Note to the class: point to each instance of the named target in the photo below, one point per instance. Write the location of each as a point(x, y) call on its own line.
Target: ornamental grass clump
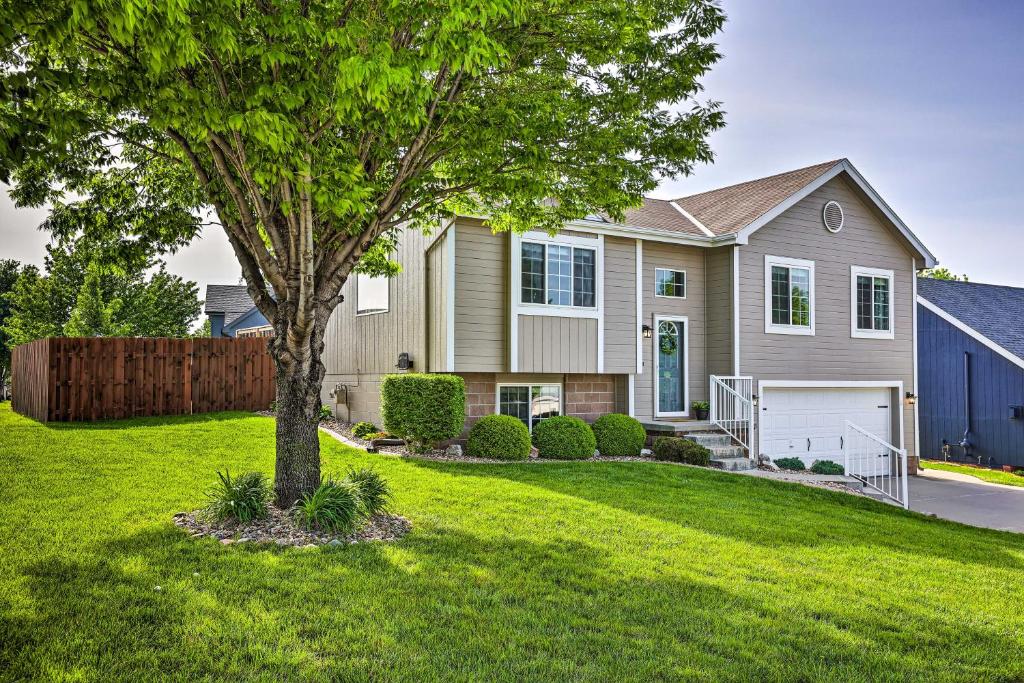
point(335, 506)
point(243, 498)
point(619, 435)
point(374, 492)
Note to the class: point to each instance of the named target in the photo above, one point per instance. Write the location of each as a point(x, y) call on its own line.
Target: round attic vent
point(833, 215)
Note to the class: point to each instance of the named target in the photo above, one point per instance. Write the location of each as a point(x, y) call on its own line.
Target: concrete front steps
point(725, 455)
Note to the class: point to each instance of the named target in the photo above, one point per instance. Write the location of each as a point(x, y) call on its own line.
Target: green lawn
point(575, 571)
point(994, 476)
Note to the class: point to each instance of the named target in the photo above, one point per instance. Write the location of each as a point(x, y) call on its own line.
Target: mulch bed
point(279, 528)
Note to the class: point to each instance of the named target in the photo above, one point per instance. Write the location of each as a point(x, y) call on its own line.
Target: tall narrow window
point(558, 275)
point(789, 296)
point(872, 302)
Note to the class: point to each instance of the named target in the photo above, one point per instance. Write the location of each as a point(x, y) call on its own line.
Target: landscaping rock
point(646, 453)
point(453, 451)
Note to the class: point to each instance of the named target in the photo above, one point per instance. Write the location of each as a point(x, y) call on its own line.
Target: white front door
point(808, 423)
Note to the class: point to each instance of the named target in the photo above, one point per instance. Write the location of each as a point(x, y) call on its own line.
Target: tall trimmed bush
point(564, 438)
point(499, 436)
point(423, 409)
point(619, 435)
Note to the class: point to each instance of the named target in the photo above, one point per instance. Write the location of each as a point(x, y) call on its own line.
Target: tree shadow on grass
point(137, 422)
point(757, 511)
point(453, 605)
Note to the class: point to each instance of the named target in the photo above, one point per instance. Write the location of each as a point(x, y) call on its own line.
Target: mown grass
point(568, 571)
point(983, 473)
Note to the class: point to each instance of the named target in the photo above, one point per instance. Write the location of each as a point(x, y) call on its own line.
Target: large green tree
point(9, 273)
point(315, 132)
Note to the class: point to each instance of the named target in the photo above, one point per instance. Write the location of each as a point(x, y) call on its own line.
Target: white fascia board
point(843, 166)
point(971, 332)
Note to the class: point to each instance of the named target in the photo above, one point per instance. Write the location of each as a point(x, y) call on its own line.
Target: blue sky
point(925, 98)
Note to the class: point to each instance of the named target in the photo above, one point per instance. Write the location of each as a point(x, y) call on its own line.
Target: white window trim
point(856, 332)
point(515, 294)
point(769, 326)
point(561, 395)
point(658, 319)
point(686, 284)
point(375, 311)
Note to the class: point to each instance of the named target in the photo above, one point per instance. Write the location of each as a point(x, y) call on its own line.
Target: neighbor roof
point(729, 209)
point(227, 299)
point(994, 311)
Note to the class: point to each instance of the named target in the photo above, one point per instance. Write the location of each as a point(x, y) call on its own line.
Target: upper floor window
point(371, 294)
point(558, 275)
point(789, 295)
point(871, 302)
point(671, 283)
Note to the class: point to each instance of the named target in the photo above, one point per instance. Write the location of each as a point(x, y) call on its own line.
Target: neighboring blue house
point(232, 313)
point(970, 340)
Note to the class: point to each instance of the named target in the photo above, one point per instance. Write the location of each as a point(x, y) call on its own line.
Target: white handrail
point(732, 408)
point(878, 470)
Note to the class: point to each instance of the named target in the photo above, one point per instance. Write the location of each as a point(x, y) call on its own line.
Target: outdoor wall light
point(911, 398)
point(754, 400)
point(648, 332)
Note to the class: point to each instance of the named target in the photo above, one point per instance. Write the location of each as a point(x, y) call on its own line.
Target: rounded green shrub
point(564, 438)
point(619, 435)
point(499, 436)
point(361, 430)
point(335, 506)
point(423, 409)
point(675, 449)
point(790, 464)
point(374, 492)
point(826, 467)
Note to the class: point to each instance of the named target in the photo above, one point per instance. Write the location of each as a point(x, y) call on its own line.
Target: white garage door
point(807, 423)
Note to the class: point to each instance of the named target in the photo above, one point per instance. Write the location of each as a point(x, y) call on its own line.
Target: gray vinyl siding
point(719, 305)
point(481, 299)
point(620, 328)
point(438, 272)
point(831, 353)
point(675, 257)
point(556, 344)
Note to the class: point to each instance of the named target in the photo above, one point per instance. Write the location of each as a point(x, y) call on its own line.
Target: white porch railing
point(878, 464)
point(732, 408)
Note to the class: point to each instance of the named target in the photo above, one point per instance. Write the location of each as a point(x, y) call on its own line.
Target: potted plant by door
point(701, 409)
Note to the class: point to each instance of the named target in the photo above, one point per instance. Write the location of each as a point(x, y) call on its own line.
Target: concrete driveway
point(962, 498)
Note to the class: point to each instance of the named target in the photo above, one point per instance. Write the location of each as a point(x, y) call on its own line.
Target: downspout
point(964, 443)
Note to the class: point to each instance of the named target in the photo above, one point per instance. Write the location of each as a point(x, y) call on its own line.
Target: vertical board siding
point(719, 306)
point(995, 384)
point(831, 353)
point(620, 324)
point(86, 379)
point(437, 274)
point(481, 299)
point(691, 260)
point(553, 344)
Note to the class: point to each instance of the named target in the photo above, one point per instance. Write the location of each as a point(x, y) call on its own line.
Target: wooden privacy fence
point(83, 379)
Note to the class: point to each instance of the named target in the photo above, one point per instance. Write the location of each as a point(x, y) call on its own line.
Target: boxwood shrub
point(499, 436)
point(564, 438)
point(619, 435)
point(675, 449)
point(790, 463)
point(423, 409)
point(826, 467)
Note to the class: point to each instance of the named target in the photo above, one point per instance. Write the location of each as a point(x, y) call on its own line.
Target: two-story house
point(787, 302)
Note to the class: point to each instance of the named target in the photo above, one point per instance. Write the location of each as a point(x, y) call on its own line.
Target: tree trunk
point(297, 469)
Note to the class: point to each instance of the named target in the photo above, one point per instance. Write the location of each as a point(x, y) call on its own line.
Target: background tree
point(943, 273)
point(317, 132)
point(9, 271)
point(80, 295)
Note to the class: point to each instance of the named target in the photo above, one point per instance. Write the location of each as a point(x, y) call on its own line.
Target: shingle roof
point(661, 215)
point(730, 209)
point(227, 299)
point(993, 310)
